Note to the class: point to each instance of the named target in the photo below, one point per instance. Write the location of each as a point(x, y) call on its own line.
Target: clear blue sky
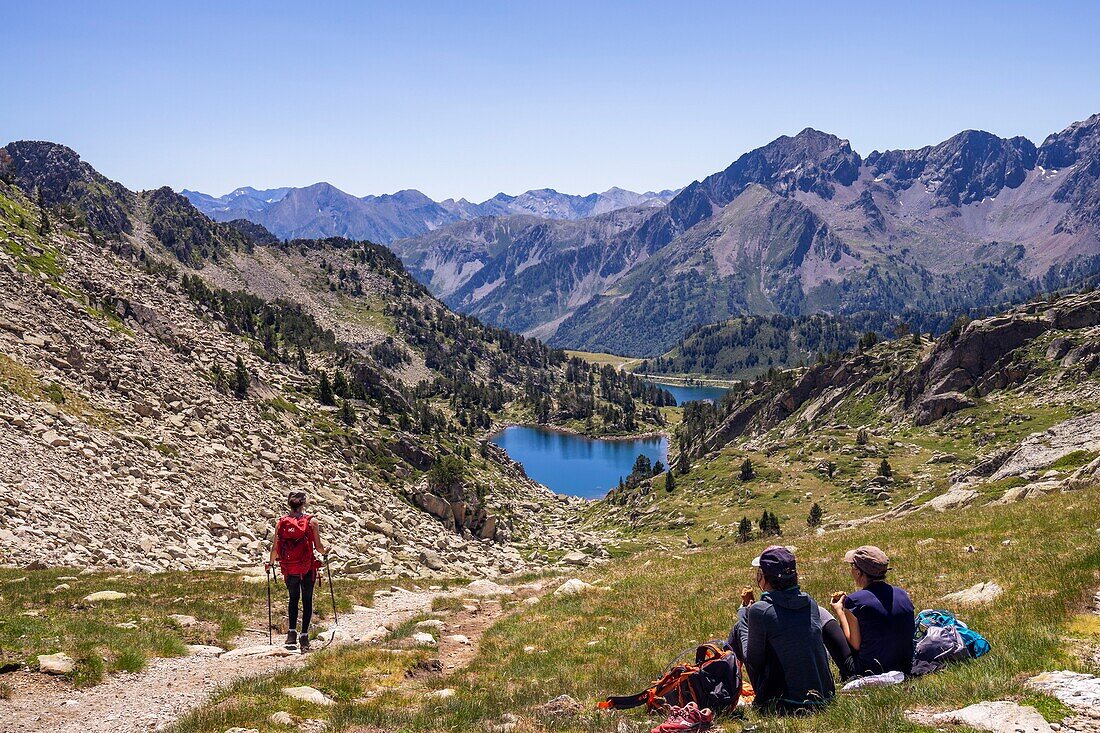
point(470, 98)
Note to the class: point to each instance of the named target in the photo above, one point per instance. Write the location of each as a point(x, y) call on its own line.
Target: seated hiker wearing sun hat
point(878, 618)
point(778, 639)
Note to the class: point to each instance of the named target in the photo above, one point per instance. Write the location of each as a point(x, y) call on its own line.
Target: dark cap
point(776, 561)
point(869, 559)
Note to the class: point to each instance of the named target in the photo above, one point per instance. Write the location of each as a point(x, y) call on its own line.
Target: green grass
point(658, 604)
point(42, 617)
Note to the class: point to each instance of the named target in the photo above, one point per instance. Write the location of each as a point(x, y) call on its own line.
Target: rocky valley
point(165, 380)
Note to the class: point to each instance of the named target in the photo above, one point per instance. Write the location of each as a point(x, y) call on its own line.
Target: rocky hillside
point(166, 379)
point(997, 410)
point(802, 225)
point(322, 210)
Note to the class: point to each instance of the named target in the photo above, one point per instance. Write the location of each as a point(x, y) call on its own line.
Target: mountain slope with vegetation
point(202, 369)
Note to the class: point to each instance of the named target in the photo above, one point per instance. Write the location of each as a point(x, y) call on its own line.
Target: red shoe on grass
point(687, 719)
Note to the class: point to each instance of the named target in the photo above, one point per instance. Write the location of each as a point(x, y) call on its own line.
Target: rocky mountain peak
point(58, 173)
point(1063, 149)
point(965, 168)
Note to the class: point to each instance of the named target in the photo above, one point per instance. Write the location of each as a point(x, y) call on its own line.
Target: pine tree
point(303, 363)
point(775, 529)
point(747, 473)
point(862, 436)
point(340, 385)
point(765, 522)
point(884, 469)
point(347, 412)
point(670, 482)
point(241, 378)
point(744, 530)
point(684, 464)
point(814, 520)
point(916, 338)
point(324, 390)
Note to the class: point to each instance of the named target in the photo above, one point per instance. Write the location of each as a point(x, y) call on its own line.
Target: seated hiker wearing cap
point(778, 639)
point(878, 618)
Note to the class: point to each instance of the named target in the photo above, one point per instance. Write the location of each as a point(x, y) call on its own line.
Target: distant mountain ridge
point(802, 225)
point(322, 210)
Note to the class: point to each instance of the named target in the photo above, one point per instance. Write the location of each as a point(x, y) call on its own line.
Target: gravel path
point(168, 687)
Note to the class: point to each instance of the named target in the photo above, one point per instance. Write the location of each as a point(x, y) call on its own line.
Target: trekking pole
point(267, 573)
point(332, 594)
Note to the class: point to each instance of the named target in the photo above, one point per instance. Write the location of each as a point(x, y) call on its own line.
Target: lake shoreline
point(566, 430)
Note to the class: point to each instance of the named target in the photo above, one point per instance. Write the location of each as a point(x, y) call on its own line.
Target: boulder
point(282, 717)
point(104, 595)
point(576, 557)
point(1000, 717)
point(458, 639)
point(443, 694)
point(572, 587)
point(59, 663)
point(1077, 690)
point(953, 499)
point(184, 621)
point(431, 560)
point(936, 406)
point(308, 694)
point(975, 595)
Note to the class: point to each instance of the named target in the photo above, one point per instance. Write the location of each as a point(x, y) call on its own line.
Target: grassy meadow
point(653, 605)
point(44, 613)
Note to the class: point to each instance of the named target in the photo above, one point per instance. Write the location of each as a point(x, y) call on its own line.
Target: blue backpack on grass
point(941, 637)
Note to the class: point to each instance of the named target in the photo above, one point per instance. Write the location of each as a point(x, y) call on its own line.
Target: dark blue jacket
point(779, 640)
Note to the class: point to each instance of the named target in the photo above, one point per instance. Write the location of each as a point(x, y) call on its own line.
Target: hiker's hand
point(748, 597)
point(267, 566)
point(838, 599)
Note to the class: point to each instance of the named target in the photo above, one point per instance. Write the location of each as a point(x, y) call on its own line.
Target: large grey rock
point(936, 406)
point(975, 595)
point(1077, 690)
point(999, 717)
point(953, 499)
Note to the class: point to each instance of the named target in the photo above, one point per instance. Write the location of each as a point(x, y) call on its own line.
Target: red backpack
point(294, 545)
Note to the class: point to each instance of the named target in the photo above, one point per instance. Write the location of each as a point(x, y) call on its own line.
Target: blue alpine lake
point(692, 393)
point(574, 464)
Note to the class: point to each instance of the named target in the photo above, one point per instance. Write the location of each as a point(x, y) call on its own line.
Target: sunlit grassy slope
point(651, 606)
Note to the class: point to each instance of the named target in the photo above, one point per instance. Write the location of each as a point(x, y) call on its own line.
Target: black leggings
point(301, 586)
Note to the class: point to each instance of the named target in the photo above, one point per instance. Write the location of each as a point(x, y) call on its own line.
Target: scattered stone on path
point(999, 717)
point(458, 639)
point(60, 663)
point(308, 694)
point(431, 623)
point(241, 730)
point(572, 587)
point(423, 638)
point(488, 588)
point(204, 650)
point(263, 650)
point(975, 595)
point(104, 595)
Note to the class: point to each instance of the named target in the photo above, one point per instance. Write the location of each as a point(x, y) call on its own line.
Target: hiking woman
point(297, 540)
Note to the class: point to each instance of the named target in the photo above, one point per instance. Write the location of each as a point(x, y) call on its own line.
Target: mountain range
point(804, 224)
point(322, 210)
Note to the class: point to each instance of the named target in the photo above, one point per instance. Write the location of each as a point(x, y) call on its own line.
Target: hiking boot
point(303, 642)
point(687, 719)
point(291, 639)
